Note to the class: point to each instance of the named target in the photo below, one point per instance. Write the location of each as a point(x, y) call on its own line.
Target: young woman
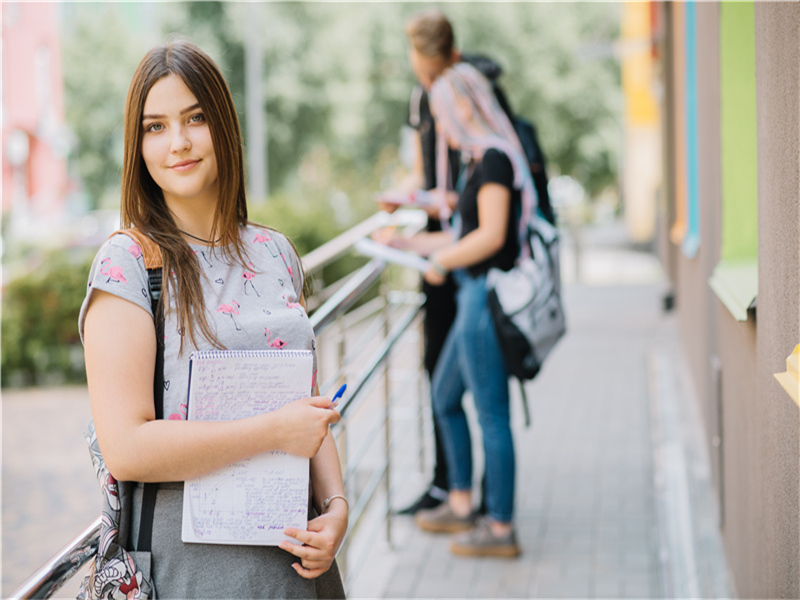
point(226, 282)
point(484, 235)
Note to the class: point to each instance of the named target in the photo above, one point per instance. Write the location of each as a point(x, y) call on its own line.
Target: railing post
point(342, 441)
point(422, 376)
point(387, 391)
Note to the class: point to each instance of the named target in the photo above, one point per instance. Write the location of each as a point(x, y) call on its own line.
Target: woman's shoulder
point(255, 233)
point(124, 247)
point(250, 230)
point(497, 166)
point(496, 156)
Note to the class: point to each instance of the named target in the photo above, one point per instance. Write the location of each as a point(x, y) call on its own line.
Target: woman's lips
point(184, 165)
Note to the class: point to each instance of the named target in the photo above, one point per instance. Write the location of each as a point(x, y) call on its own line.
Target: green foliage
point(40, 342)
point(99, 56)
point(335, 75)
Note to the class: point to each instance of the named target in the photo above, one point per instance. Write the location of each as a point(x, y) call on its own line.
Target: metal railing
point(386, 319)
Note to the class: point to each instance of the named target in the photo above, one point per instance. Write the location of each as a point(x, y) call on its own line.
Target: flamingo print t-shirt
point(249, 308)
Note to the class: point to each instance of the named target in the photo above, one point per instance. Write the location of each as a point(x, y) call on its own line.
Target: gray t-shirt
point(248, 308)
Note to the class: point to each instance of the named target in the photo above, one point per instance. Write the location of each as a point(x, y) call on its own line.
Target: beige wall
point(778, 105)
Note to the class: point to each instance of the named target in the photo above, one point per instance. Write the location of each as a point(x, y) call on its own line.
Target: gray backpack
point(525, 302)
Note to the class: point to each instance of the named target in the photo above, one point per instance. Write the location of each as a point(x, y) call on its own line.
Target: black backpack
point(526, 132)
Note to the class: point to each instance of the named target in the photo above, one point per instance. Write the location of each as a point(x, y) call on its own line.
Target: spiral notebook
point(251, 501)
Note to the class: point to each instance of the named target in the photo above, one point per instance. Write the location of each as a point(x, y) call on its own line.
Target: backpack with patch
point(115, 572)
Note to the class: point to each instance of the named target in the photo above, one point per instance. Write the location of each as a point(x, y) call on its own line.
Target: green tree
point(99, 58)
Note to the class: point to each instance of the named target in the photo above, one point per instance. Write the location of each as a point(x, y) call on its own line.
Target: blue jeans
point(471, 359)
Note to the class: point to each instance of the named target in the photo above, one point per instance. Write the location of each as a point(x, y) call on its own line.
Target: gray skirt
point(182, 570)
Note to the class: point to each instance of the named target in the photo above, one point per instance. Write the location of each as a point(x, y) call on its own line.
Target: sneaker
point(442, 519)
point(482, 542)
point(425, 501)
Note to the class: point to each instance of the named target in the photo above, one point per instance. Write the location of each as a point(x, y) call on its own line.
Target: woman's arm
point(120, 350)
point(422, 243)
point(494, 204)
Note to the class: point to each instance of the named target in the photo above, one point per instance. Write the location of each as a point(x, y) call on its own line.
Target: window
point(735, 278)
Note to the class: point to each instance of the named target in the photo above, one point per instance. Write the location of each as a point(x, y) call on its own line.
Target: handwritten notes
point(251, 501)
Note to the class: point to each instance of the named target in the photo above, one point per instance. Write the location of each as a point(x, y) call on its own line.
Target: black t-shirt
point(494, 168)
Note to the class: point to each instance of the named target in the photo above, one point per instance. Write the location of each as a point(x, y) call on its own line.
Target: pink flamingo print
point(265, 238)
point(114, 272)
point(135, 250)
point(248, 278)
point(286, 263)
point(231, 310)
point(276, 343)
point(289, 304)
point(179, 416)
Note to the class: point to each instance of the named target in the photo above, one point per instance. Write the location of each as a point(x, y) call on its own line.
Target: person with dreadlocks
point(484, 235)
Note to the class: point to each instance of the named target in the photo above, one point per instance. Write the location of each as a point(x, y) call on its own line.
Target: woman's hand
point(305, 423)
point(433, 277)
point(436, 273)
point(320, 542)
point(388, 237)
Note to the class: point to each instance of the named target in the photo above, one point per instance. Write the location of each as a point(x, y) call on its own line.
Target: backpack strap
point(153, 262)
point(151, 251)
point(151, 489)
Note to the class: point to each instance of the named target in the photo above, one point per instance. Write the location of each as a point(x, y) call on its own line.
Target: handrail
point(64, 564)
point(56, 571)
point(341, 244)
point(347, 295)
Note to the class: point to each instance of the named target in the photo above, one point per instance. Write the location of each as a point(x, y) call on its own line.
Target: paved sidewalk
point(613, 496)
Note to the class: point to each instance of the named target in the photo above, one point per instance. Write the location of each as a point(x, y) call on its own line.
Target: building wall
point(778, 107)
point(33, 110)
point(757, 459)
point(741, 438)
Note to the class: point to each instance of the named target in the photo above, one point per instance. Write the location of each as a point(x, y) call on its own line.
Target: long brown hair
point(143, 205)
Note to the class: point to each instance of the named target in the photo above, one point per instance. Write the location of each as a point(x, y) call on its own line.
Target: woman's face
point(176, 144)
point(463, 114)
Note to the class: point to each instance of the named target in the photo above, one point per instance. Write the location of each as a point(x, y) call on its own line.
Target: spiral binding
point(223, 354)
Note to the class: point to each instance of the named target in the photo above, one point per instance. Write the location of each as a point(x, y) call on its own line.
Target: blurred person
point(485, 235)
point(432, 51)
point(183, 187)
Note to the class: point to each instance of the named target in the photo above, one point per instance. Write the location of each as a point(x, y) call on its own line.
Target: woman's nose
point(180, 141)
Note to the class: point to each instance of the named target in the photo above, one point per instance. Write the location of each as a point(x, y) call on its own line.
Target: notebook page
point(251, 501)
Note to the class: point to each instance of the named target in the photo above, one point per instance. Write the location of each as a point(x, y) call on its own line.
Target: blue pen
point(339, 394)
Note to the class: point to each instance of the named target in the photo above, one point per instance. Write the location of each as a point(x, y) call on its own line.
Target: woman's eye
point(154, 127)
point(197, 118)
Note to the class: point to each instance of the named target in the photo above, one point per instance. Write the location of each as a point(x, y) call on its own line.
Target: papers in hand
point(254, 500)
point(372, 248)
point(421, 198)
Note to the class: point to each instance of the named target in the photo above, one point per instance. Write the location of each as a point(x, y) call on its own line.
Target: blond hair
point(431, 34)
